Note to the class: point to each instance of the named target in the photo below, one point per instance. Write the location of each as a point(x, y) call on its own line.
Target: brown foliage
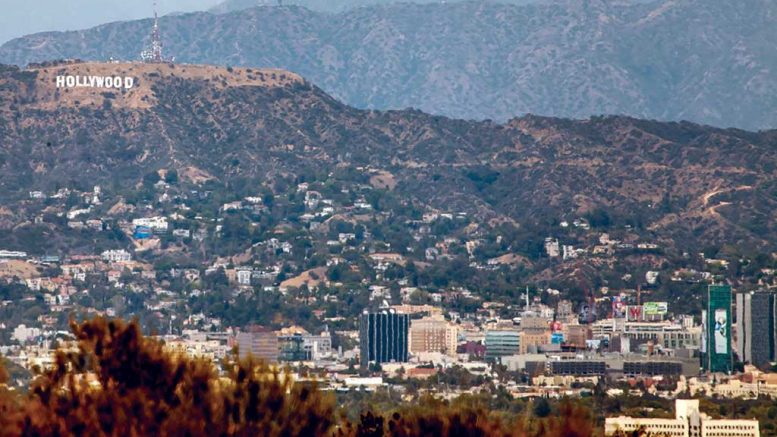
point(415, 421)
point(119, 383)
point(8, 416)
point(572, 421)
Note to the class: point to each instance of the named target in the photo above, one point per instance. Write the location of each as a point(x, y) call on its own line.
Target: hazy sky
point(22, 17)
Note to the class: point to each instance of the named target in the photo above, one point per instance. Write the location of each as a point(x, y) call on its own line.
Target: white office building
point(688, 422)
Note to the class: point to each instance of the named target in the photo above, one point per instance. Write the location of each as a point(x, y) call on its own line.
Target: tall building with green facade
point(716, 351)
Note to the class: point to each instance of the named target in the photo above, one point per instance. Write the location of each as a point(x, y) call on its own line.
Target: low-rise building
point(502, 343)
point(153, 223)
point(689, 421)
point(119, 255)
point(258, 342)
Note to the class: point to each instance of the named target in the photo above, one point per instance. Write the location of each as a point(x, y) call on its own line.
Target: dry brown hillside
point(677, 182)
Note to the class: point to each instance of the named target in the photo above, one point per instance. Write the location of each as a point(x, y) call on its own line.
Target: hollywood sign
point(116, 82)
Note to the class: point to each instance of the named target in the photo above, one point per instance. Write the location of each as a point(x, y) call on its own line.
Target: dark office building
point(756, 327)
point(652, 368)
point(577, 367)
point(383, 337)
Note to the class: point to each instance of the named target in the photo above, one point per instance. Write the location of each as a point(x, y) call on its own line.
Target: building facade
point(577, 335)
point(383, 337)
point(689, 421)
point(292, 348)
point(755, 334)
point(577, 367)
point(716, 354)
point(433, 334)
point(501, 343)
point(652, 368)
point(535, 332)
point(258, 342)
point(317, 346)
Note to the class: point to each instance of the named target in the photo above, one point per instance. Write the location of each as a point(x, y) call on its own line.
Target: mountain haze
point(22, 18)
point(330, 5)
point(710, 61)
point(679, 183)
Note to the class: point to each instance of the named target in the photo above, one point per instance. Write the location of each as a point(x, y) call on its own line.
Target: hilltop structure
point(153, 54)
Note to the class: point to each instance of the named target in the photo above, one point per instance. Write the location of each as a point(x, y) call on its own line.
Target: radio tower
point(153, 54)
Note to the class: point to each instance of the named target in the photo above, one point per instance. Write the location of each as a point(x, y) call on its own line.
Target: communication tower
point(153, 54)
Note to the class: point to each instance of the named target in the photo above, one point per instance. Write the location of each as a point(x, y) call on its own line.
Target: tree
point(118, 382)
point(542, 408)
point(151, 178)
point(599, 218)
point(171, 177)
point(138, 388)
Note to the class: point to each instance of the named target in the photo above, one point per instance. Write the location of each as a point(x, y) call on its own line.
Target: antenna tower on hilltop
point(153, 54)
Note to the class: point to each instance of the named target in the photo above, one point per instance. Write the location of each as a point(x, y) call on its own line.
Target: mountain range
point(683, 184)
point(707, 61)
point(329, 5)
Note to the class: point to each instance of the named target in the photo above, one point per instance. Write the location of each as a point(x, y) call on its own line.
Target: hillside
point(678, 182)
point(711, 62)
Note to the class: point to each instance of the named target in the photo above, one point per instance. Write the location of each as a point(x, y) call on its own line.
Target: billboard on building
point(721, 331)
point(634, 313)
point(587, 312)
point(717, 356)
point(655, 308)
point(618, 307)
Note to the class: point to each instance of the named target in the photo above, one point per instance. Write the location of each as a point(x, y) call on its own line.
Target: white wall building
point(552, 247)
point(119, 255)
point(244, 276)
point(23, 334)
point(12, 254)
point(688, 422)
point(157, 223)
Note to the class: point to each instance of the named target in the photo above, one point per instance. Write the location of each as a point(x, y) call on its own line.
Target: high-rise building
point(755, 333)
point(433, 334)
point(501, 344)
point(258, 342)
point(383, 337)
point(716, 353)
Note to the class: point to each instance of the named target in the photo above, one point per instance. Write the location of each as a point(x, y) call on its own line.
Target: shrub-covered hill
point(680, 182)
